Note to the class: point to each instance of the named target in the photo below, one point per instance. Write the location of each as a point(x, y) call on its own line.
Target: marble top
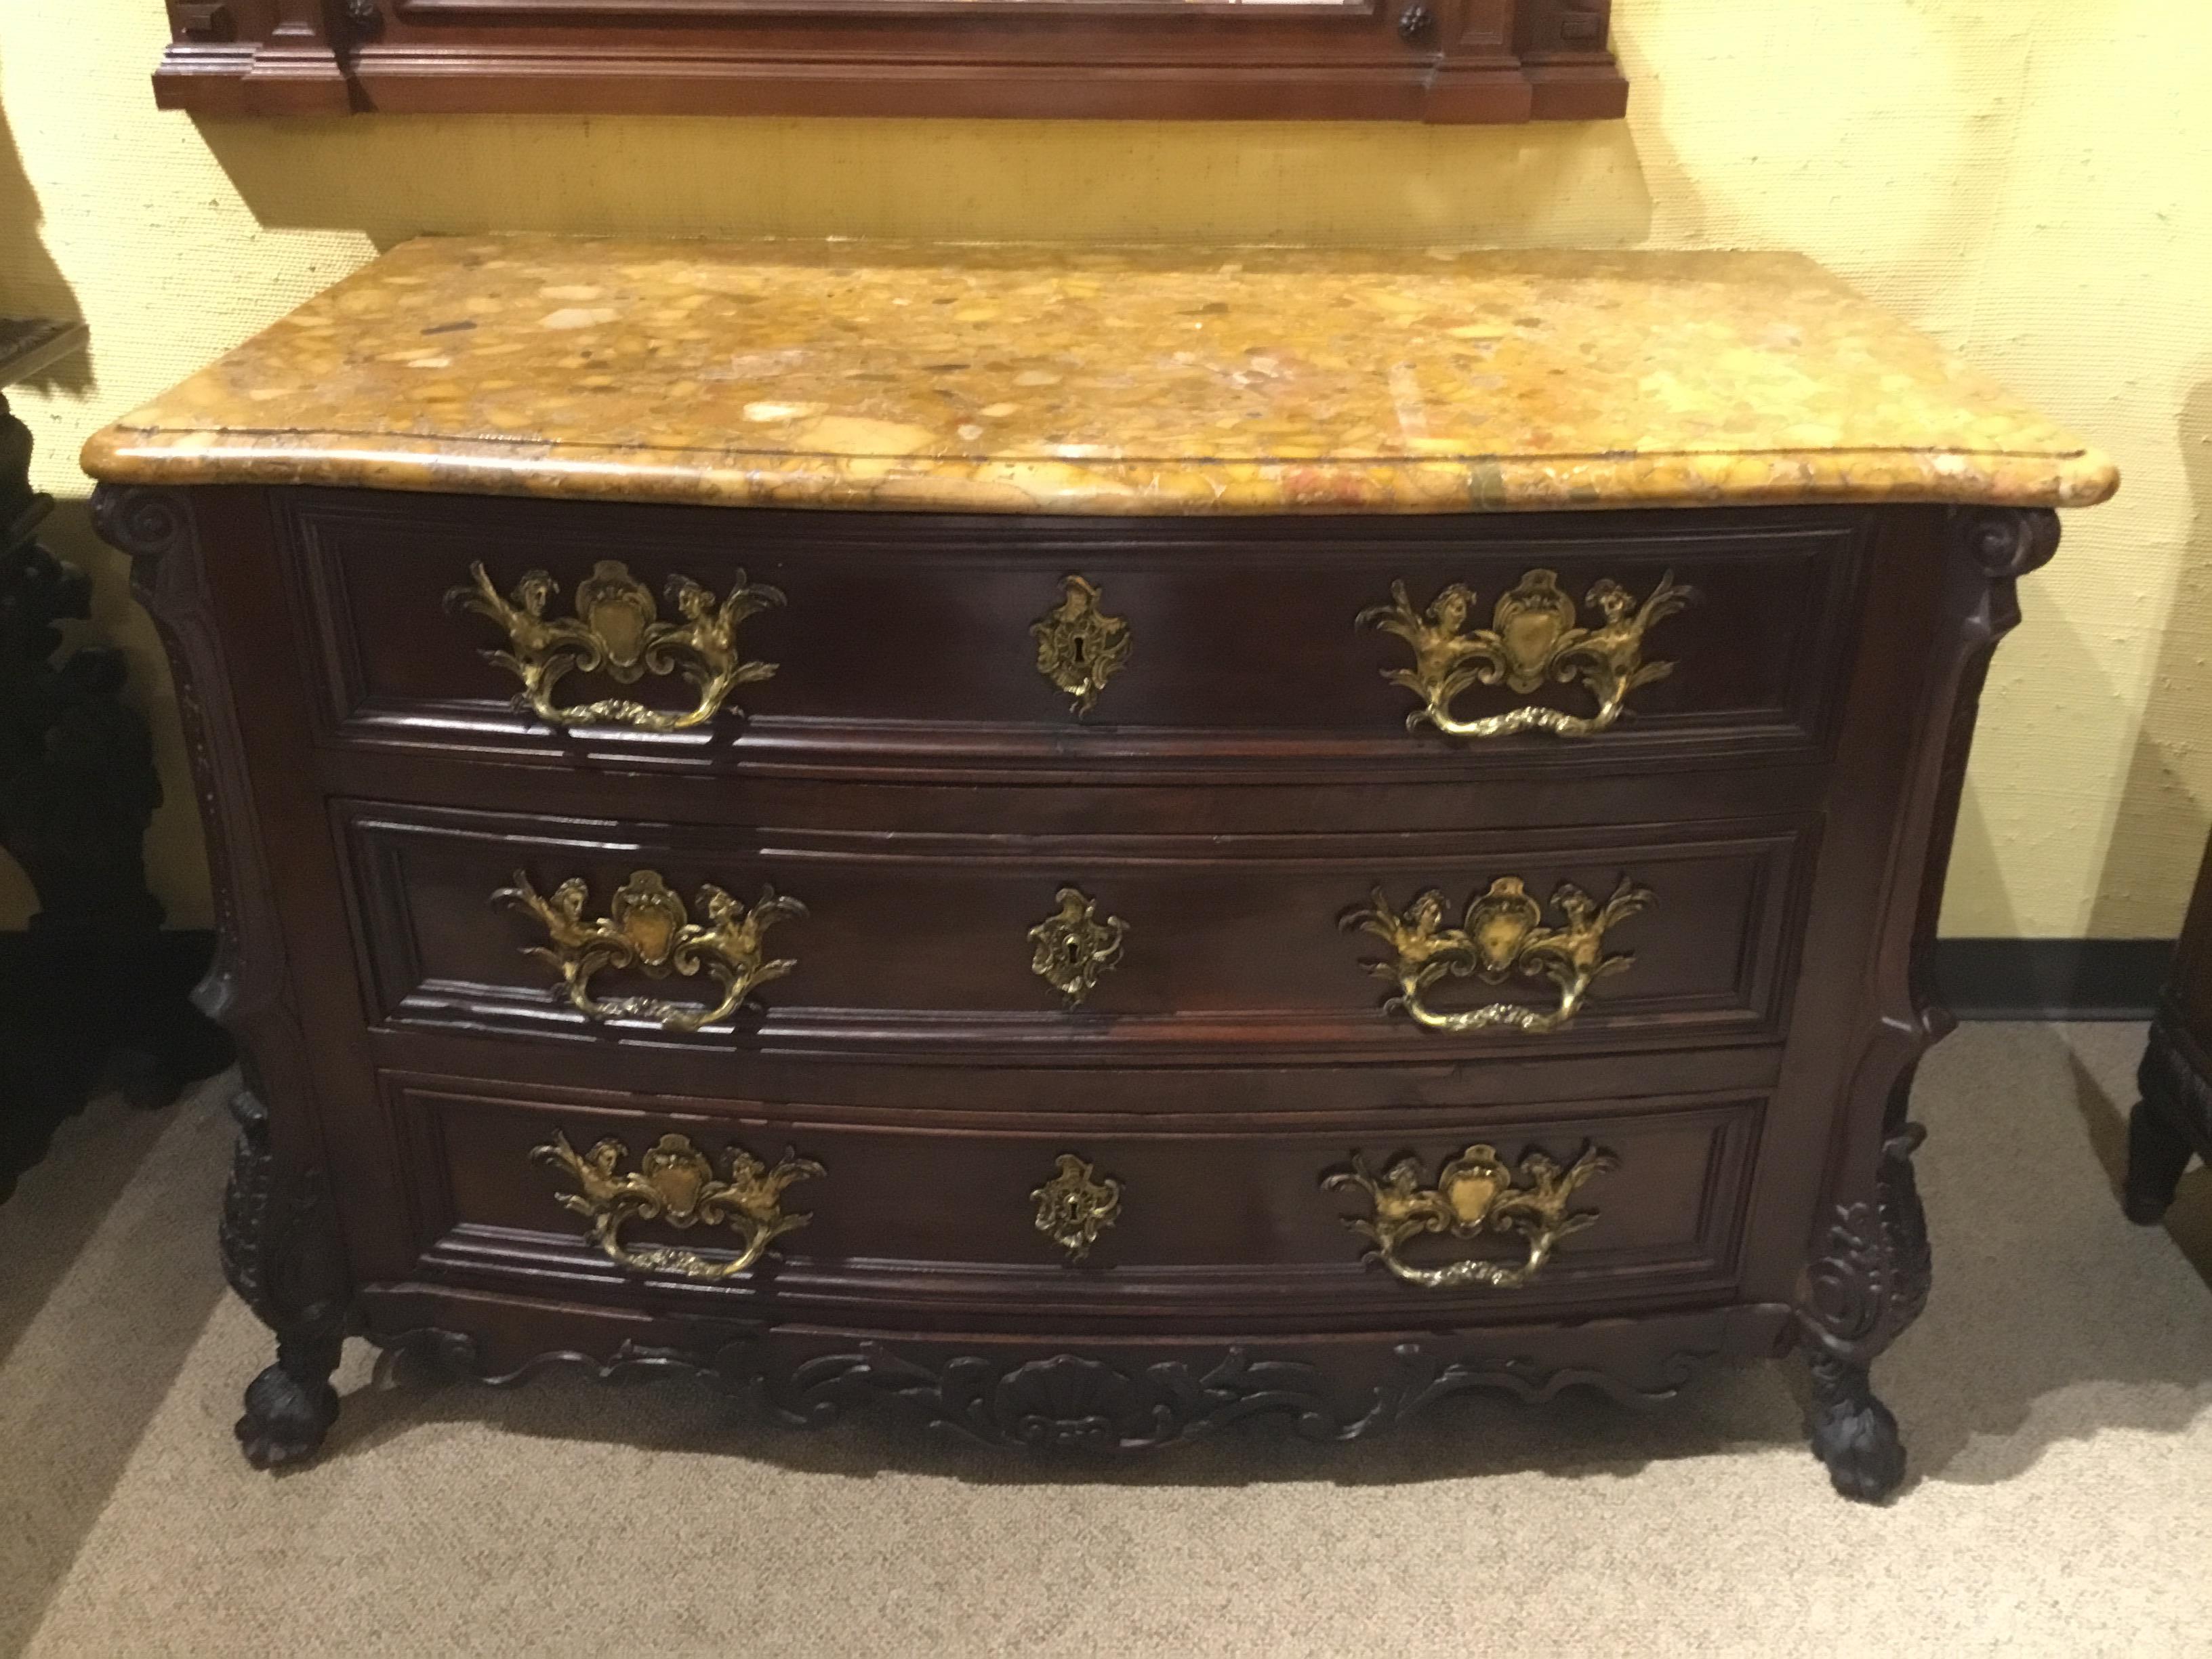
point(1134, 380)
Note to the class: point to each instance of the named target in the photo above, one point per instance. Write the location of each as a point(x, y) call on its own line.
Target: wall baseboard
point(2052, 978)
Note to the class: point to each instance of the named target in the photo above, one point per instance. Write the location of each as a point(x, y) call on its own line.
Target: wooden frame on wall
point(1428, 60)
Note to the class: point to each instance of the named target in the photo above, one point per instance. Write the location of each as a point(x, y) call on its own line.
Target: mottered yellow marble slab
point(1143, 380)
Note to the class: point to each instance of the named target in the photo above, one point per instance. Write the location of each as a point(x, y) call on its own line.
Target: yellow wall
point(2031, 180)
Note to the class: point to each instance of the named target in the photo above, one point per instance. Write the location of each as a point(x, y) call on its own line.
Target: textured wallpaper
point(2029, 179)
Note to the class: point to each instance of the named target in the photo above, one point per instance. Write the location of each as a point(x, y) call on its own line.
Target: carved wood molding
point(1063, 1402)
point(1453, 61)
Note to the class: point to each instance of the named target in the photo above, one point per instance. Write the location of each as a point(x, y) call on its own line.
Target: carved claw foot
point(1853, 1432)
point(2157, 1154)
point(290, 1406)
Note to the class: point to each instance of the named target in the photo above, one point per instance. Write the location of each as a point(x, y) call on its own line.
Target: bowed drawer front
point(1382, 1218)
point(1415, 945)
point(853, 640)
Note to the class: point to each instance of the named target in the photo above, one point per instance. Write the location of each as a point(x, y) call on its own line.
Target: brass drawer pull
point(648, 928)
point(1533, 636)
point(1476, 1193)
point(676, 1182)
point(1072, 948)
point(1503, 938)
point(618, 628)
point(1079, 646)
point(1076, 1206)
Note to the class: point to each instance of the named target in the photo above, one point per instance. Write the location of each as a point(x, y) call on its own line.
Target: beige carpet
point(2057, 1398)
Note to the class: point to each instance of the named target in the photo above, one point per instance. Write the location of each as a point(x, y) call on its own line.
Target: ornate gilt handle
point(1476, 1193)
point(676, 1182)
point(1534, 637)
point(648, 928)
point(618, 628)
point(1504, 937)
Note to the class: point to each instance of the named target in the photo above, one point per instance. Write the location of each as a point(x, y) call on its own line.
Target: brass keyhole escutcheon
point(1079, 646)
point(1073, 947)
point(1076, 1206)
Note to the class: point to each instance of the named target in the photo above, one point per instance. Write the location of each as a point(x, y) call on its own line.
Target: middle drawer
point(1075, 950)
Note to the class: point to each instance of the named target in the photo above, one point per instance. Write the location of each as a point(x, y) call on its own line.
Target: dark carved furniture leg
point(1852, 1431)
point(2157, 1154)
point(2171, 1123)
point(1872, 1282)
point(277, 1252)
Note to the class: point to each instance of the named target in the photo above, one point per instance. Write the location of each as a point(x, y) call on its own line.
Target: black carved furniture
point(2173, 1121)
point(93, 986)
point(1093, 844)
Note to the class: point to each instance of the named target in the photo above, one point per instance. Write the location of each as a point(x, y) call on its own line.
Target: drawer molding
point(922, 1220)
point(617, 630)
point(676, 1182)
point(879, 676)
point(1247, 954)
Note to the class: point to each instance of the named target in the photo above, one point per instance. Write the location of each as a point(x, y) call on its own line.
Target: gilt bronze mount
point(676, 1182)
point(1076, 1206)
point(1504, 937)
point(617, 630)
point(1072, 948)
point(1476, 1193)
point(648, 928)
point(1535, 635)
point(1079, 646)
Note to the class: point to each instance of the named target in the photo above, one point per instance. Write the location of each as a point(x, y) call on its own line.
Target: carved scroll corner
point(1873, 1276)
point(2008, 542)
point(147, 524)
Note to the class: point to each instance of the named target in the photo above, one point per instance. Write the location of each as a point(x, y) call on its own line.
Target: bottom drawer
point(1377, 1219)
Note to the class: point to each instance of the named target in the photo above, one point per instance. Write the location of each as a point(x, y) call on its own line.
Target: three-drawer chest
point(1087, 844)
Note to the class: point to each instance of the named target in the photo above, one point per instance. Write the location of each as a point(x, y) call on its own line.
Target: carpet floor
point(2056, 1398)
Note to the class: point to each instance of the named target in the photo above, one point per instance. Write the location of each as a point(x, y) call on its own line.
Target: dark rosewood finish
point(1788, 795)
point(1443, 60)
point(2173, 1121)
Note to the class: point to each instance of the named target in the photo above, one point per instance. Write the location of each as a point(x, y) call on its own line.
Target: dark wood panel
point(1448, 60)
point(906, 640)
point(930, 1215)
point(919, 943)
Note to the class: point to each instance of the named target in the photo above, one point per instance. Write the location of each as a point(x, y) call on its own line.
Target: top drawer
point(878, 643)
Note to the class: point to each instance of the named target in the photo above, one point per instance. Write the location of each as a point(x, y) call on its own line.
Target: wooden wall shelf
point(1428, 60)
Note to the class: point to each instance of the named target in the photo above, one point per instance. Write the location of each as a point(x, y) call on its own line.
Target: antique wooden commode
point(1093, 843)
